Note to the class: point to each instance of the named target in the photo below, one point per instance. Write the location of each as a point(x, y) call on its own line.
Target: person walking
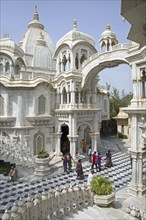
point(64, 158)
point(79, 170)
point(108, 162)
point(99, 158)
point(90, 154)
point(69, 161)
point(84, 145)
point(90, 177)
point(94, 161)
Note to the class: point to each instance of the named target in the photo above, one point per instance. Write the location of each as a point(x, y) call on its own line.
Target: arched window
point(1, 105)
point(17, 69)
point(64, 61)
point(103, 47)
point(7, 67)
point(83, 58)
point(77, 61)
point(64, 96)
point(143, 80)
point(39, 142)
point(108, 46)
point(41, 105)
point(1, 67)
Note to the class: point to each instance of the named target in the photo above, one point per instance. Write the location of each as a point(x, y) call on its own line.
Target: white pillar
point(140, 176)
point(6, 107)
point(61, 98)
point(57, 142)
point(20, 110)
point(34, 106)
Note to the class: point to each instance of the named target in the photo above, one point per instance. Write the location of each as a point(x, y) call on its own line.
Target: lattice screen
point(39, 142)
point(41, 105)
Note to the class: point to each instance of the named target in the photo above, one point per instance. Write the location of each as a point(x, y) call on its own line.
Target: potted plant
point(42, 160)
point(102, 190)
point(42, 154)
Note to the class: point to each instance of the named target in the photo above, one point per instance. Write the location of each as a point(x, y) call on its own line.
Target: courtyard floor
point(119, 173)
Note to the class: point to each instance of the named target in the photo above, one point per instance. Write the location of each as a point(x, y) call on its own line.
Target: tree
point(117, 100)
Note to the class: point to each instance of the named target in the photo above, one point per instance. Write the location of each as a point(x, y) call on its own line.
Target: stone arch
point(87, 124)
point(84, 139)
point(98, 62)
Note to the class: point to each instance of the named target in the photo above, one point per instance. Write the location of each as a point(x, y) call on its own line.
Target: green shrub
point(101, 185)
point(123, 136)
point(42, 154)
point(5, 168)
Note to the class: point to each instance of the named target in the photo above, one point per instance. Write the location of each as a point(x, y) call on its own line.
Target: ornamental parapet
point(50, 205)
point(26, 76)
point(125, 46)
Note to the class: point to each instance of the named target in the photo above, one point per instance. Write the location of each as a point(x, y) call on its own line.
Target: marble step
point(95, 212)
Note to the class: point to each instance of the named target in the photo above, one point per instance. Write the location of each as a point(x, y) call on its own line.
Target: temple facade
point(51, 99)
point(43, 102)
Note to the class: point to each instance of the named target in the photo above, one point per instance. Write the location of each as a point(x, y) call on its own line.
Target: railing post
point(22, 209)
point(6, 215)
point(37, 207)
point(57, 199)
point(14, 212)
point(29, 209)
point(64, 203)
point(44, 205)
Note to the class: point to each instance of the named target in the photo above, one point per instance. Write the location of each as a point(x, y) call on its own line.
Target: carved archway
point(97, 62)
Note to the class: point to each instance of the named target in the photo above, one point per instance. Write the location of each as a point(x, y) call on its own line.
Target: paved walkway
point(120, 174)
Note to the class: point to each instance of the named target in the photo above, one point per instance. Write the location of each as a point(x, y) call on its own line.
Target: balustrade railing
point(26, 76)
point(52, 204)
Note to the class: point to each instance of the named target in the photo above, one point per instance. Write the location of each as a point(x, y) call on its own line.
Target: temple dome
point(108, 33)
point(7, 45)
point(37, 42)
point(75, 36)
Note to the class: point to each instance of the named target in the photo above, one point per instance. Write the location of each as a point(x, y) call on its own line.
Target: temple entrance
point(84, 140)
point(65, 144)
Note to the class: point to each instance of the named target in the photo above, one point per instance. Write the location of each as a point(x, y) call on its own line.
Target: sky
point(58, 16)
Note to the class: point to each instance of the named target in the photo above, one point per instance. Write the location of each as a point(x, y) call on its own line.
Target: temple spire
point(75, 24)
point(36, 15)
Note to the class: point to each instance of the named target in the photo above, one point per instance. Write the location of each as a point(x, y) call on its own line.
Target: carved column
point(57, 142)
point(20, 110)
point(73, 140)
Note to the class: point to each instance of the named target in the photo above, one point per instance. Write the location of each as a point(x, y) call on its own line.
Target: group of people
point(67, 162)
point(94, 158)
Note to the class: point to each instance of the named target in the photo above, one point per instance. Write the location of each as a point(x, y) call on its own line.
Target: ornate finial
point(75, 24)
point(108, 27)
point(36, 15)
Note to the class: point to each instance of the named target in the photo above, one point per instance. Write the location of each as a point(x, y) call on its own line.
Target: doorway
point(65, 143)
